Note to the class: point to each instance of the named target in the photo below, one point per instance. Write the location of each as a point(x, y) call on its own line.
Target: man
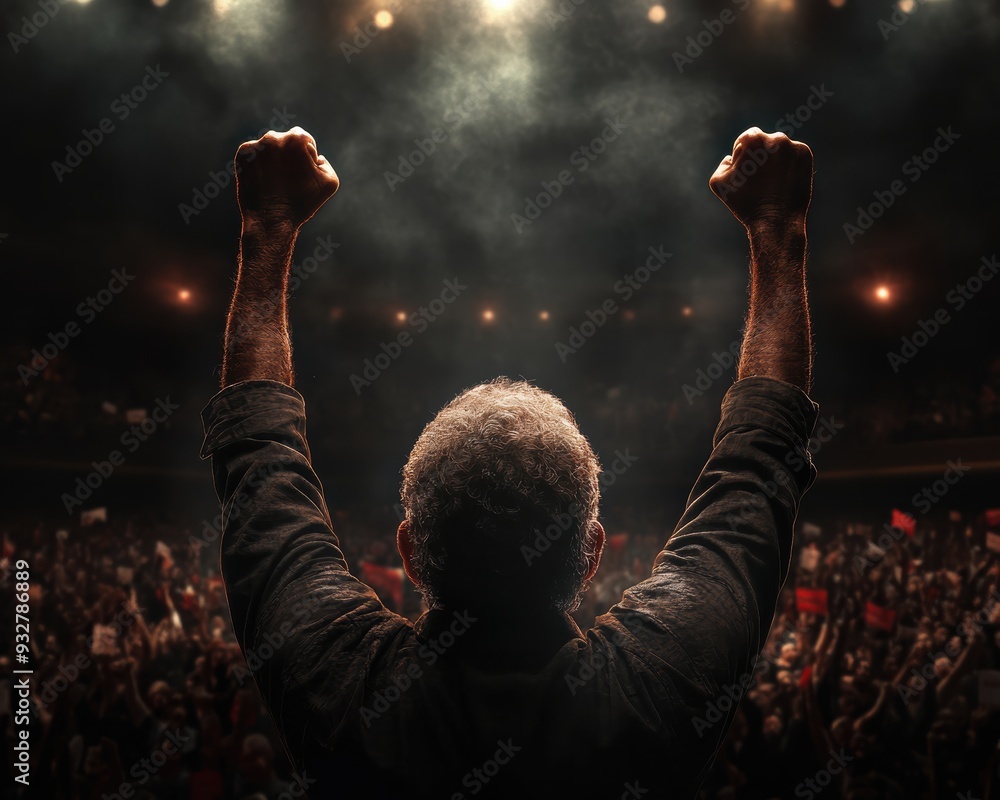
point(495, 692)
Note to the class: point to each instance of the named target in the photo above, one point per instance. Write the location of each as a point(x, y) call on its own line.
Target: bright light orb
point(184, 295)
point(500, 5)
point(400, 316)
point(384, 19)
point(883, 294)
point(488, 315)
point(657, 14)
point(907, 6)
point(687, 311)
point(160, 3)
point(222, 7)
point(543, 316)
point(837, 3)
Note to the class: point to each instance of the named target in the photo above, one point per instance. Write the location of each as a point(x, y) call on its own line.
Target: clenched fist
point(768, 177)
point(281, 177)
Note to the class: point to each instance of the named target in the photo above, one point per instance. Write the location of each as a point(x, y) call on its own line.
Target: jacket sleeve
point(699, 621)
point(309, 630)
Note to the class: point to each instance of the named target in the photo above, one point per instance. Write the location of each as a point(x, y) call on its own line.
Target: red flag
point(882, 618)
point(811, 601)
point(386, 580)
point(903, 521)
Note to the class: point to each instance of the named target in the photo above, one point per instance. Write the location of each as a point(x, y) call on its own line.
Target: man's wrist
point(270, 226)
point(787, 229)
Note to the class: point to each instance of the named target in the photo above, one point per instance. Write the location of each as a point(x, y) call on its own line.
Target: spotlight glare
point(883, 294)
point(488, 315)
point(907, 6)
point(160, 3)
point(837, 3)
point(400, 316)
point(687, 311)
point(384, 19)
point(184, 295)
point(500, 5)
point(543, 316)
point(657, 14)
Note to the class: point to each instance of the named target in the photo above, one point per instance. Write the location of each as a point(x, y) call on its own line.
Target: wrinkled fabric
point(371, 705)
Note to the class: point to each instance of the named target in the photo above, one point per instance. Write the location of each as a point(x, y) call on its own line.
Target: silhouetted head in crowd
point(501, 498)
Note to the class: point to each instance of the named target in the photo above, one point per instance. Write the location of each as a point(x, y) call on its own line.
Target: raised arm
point(767, 184)
point(282, 181)
point(703, 615)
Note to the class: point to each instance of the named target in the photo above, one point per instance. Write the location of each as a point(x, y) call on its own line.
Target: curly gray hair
point(501, 494)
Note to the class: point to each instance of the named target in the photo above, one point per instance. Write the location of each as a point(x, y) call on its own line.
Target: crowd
point(140, 690)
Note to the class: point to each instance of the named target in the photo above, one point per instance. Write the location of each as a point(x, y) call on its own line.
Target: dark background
point(556, 72)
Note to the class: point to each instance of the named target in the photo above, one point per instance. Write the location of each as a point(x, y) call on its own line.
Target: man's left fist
point(281, 177)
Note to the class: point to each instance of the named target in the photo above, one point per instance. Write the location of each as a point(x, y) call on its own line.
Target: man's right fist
point(281, 177)
point(767, 177)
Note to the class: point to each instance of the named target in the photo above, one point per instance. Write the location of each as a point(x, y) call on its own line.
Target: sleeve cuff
point(247, 408)
point(781, 408)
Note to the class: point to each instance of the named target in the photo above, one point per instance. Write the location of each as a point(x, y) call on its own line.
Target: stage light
point(160, 3)
point(221, 7)
point(383, 19)
point(657, 14)
point(907, 6)
point(184, 295)
point(543, 316)
point(837, 3)
point(500, 5)
point(687, 311)
point(400, 316)
point(488, 315)
point(883, 294)
point(83, 2)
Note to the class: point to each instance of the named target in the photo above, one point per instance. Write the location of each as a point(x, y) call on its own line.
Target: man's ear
point(405, 546)
point(597, 533)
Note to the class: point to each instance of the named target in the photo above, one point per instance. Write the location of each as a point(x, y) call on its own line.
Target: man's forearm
point(778, 339)
point(258, 345)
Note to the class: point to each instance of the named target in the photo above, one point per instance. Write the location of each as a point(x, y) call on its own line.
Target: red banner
point(904, 522)
point(617, 542)
point(882, 618)
point(811, 601)
point(387, 581)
